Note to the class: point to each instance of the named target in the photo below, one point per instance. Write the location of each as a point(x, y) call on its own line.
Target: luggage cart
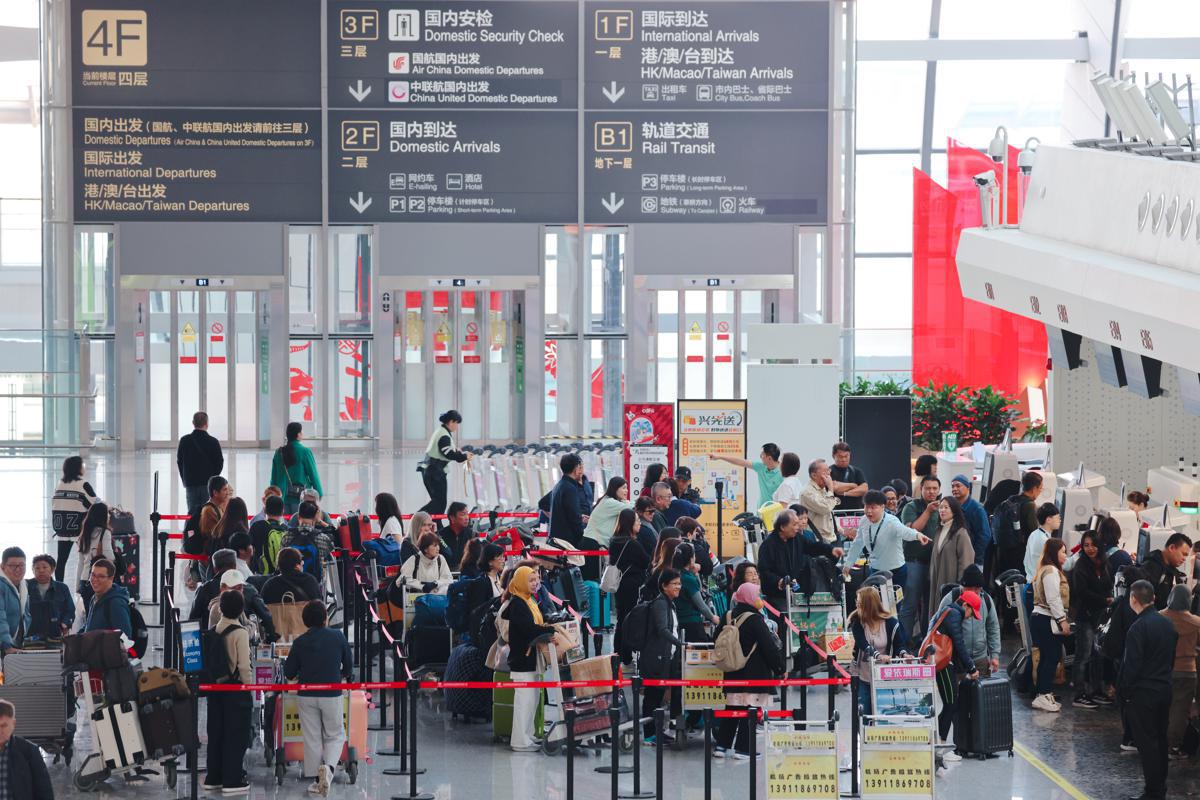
point(288, 739)
point(101, 765)
point(592, 725)
point(818, 616)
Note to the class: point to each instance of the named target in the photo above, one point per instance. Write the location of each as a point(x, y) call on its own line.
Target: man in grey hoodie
point(982, 634)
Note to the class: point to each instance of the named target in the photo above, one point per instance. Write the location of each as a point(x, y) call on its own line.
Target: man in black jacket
point(458, 532)
point(1162, 567)
point(1144, 686)
point(23, 773)
point(784, 554)
point(198, 458)
point(223, 561)
point(568, 502)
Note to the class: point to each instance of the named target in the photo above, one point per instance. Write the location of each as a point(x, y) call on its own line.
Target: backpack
point(485, 631)
point(216, 667)
point(634, 628)
point(1006, 524)
point(385, 549)
point(819, 575)
point(458, 607)
point(727, 652)
point(267, 541)
point(305, 541)
point(193, 541)
point(141, 632)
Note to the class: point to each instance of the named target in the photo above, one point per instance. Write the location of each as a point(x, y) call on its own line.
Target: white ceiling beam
point(973, 49)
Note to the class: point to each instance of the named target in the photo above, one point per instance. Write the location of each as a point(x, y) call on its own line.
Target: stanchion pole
point(193, 757)
point(804, 702)
point(155, 518)
point(831, 670)
point(614, 719)
point(614, 705)
point(413, 792)
point(855, 732)
point(752, 722)
point(637, 743)
point(396, 694)
point(570, 714)
point(382, 693)
point(708, 754)
point(660, 727)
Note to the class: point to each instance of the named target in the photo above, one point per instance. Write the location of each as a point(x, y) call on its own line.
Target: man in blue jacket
point(23, 773)
point(977, 518)
point(51, 609)
point(12, 599)
point(110, 603)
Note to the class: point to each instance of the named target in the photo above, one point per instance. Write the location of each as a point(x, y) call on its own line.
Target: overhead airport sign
point(246, 53)
point(203, 165)
point(452, 166)
point(454, 54)
point(750, 54)
point(691, 166)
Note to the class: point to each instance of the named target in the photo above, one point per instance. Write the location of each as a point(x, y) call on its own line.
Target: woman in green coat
point(294, 465)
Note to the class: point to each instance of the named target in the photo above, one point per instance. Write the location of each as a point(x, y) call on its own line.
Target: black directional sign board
point(251, 53)
point(454, 54)
point(452, 166)
point(743, 55)
point(202, 165)
point(692, 166)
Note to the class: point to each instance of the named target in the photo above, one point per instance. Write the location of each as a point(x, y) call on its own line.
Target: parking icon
point(416, 204)
point(649, 182)
point(396, 204)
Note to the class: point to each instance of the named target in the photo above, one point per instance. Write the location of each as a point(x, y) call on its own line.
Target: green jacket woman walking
point(293, 469)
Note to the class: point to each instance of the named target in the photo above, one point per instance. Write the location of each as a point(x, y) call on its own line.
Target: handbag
point(497, 656)
point(294, 490)
point(287, 615)
point(610, 581)
point(121, 522)
point(943, 646)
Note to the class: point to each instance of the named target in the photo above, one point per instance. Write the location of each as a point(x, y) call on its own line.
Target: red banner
point(648, 433)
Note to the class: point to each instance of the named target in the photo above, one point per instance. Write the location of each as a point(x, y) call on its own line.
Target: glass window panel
point(159, 357)
point(1014, 19)
point(695, 366)
point(891, 104)
point(550, 380)
point(302, 282)
point(245, 353)
point(721, 342)
point(893, 19)
point(883, 293)
point(351, 276)
point(606, 281)
point(884, 203)
point(93, 280)
point(352, 377)
point(562, 280)
point(302, 379)
point(1167, 18)
point(973, 97)
point(752, 314)
point(187, 401)
point(665, 359)
point(216, 375)
point(607, 386)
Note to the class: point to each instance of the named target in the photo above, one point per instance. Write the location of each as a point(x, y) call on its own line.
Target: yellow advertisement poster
point(802, 765)
point(888, 772)
point(698, 666)
point(710, 428)
point(291, 717)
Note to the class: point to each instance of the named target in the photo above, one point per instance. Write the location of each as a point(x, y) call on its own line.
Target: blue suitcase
point(599, 606)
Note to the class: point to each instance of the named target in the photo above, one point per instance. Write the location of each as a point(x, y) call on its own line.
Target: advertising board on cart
point(801, 765)
point(897, 761)
point(901, 689)
point(698, 665)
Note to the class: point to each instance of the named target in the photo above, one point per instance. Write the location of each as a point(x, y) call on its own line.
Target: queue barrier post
point(193, 756)
point(831, 668)
point(615, 704)
point(396, 748)
point(614, 719)
point(855, 730)
point(382, 693)
point(752, 722)
point(660, 728)
point(155, 518)
point(708, 754)
point(570, 715)
point(413, 792)
point(637, 793)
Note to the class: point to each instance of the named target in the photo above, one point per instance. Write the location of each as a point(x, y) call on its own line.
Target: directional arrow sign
point(358, 92)
point(613, 92)
point(611, 203)
point(360, 204)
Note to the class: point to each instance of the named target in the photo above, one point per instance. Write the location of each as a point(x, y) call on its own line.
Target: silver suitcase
point(41, 710)
point(119, 735)
point(34, 668)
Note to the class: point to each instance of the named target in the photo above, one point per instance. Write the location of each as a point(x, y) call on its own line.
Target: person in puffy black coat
point(626, 553)
point(764, 662)
point(659, 656)
point(961, 662)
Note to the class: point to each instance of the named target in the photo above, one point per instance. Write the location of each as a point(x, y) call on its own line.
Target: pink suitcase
point(290, 742)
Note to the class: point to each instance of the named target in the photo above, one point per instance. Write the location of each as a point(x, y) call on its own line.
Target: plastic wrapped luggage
point(568, 587)
point(502, 711)
point(34, 668)
point(599, 608)
point(466, 664)
point(984, 725)
point(118, 735)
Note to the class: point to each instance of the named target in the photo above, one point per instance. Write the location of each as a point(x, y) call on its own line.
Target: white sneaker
point(324, 778)
point(314, 787)
point(950, 756)
point(1044, 702)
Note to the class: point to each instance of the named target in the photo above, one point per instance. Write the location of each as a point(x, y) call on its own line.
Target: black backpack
point(216, 666)
point(1006, 524)
point(141, 632)
point(634, 628)
point(819, 575)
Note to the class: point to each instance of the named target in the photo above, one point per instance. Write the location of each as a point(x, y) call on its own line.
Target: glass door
point(204, 350)
point(457, 349)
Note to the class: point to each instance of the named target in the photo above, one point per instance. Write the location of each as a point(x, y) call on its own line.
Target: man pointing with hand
point(882, 538)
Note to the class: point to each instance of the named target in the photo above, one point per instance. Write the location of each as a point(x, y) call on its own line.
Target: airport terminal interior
point(664, 398)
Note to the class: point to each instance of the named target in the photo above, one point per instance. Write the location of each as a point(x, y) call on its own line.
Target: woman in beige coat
point(952, 550)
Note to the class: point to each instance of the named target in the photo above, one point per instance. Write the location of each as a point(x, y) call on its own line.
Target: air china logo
point(398, 63)
point(718, 421)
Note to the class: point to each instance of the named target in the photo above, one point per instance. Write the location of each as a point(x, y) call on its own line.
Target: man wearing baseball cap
point(977, 518)
point(684, 502)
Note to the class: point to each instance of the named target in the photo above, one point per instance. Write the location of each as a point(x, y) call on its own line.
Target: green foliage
point(977, 415)
point(864, 387)
point(1036, 432)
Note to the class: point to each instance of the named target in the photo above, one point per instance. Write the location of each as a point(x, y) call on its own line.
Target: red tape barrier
point(499, 515)
point(651, 682)
point(190, 557)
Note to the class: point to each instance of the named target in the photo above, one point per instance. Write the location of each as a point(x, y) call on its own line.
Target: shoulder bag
point(294, 490)
point(941, 644)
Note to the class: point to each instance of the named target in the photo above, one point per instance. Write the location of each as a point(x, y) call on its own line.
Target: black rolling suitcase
point(568, 587)
point(167, 711)
point(429, 647)
point(984, 725)
point(466, 664)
